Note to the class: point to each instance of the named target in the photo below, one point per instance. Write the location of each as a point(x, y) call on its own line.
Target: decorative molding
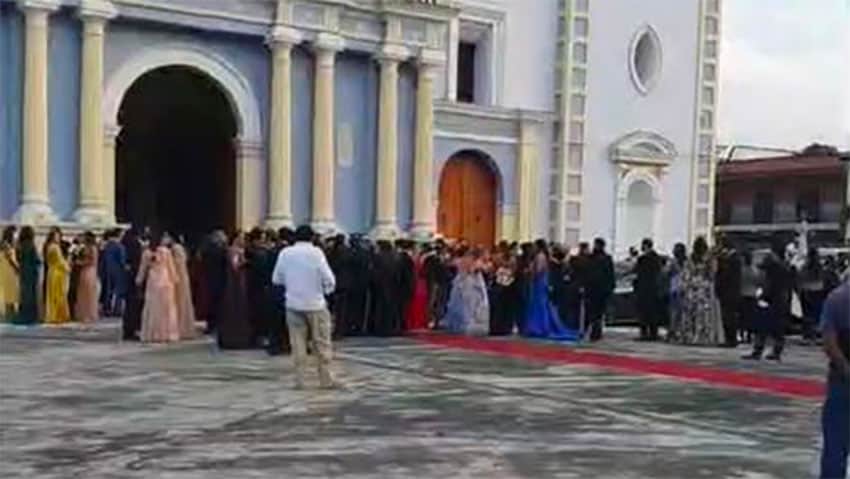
point(475, 138)
point(643, 147)
point(281, 34)
point(645, 87)
point(47, 5)
point(571, 101)
point(237, 88)
point(704, 136)
point(102, 9)
point(628, 176)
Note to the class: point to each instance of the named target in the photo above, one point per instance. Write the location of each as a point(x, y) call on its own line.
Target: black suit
point(600, 286)
point(647, 294)
point(131, 320)
point(779, 279)
point(727, 286)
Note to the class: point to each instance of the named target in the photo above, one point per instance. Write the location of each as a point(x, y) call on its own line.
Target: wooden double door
point(467, 205)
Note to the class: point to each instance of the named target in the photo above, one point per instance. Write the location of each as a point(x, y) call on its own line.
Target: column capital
point(430, 58)
point(282, 35)
point(46, 5)
point(97, 10)
point(391, 52)
point(328, 43)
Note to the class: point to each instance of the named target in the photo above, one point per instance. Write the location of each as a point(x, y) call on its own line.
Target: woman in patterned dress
point(700, 318)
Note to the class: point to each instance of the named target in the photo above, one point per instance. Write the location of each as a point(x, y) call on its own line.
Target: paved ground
point(78, 404)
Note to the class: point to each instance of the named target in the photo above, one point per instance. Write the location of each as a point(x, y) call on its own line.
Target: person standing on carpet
point(303, 270)
point(835, 327)
point(647, 277)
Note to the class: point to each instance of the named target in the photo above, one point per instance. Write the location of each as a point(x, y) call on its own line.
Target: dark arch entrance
point(467, 207)
point(175, 157)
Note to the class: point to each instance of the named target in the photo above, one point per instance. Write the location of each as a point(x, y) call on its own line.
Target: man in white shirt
point(303, 271)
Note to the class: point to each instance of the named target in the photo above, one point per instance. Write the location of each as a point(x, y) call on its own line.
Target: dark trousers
point(595, 306)
point(772, 325)
point(812, 302)
point(649, 309)
point(835, 422)
point(729, 316)
point(747, 311)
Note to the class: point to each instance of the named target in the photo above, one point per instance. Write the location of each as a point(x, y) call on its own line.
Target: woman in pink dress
point(86, 304)
point(416, 316)
point(185, 308)
point(158, 273)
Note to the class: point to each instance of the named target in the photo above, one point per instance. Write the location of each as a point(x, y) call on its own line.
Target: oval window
point(645, 64)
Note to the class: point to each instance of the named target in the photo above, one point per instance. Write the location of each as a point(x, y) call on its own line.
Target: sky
point(785, 73)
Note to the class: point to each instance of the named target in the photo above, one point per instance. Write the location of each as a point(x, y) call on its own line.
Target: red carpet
point(554, 354)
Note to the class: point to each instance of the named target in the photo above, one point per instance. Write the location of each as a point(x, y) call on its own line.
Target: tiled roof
point(781, 166)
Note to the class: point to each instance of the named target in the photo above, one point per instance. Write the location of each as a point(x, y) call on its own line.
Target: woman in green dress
point(29, 262)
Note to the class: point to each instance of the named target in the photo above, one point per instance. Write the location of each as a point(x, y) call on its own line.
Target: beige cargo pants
point(300, 324)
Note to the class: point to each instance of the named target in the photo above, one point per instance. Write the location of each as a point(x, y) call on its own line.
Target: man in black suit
point(647, 291)
point(727, 287)
point(779, 280)
point(599, 287)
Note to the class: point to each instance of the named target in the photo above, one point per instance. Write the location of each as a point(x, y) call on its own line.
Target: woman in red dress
point(416, 316)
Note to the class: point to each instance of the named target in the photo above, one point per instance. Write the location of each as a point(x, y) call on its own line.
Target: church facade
point(482, 119)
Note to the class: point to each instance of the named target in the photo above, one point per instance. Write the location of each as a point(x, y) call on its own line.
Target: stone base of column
point(422, 231)
point(278, 222)
point(385, 231)
point(324, 227)
point(35, 213)
point(92, 216)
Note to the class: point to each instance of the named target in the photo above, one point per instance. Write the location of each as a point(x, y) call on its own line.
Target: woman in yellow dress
point(56, 309)
point(9, 280)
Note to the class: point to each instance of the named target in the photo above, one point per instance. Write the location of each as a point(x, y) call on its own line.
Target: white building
point(485, 119)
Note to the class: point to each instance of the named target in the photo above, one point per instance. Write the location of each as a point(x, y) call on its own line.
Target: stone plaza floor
point(77, 403)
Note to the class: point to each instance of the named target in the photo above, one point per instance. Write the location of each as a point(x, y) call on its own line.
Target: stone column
point(423, 201)
point(281, 41)
point(91, 207)
point(322, 217)
point(35, 199)
point(386, 221)
point(528, 157)
point(110, 137)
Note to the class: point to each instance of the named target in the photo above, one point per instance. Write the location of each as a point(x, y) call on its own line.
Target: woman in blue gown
point(541, 315)
point(468, 310)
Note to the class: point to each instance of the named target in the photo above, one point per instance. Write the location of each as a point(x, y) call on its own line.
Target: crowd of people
point(722, 296)
point(162, 288)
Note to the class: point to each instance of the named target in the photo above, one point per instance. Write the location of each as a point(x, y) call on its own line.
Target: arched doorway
point(467, 204)
point(175, 156)
point(639, 214)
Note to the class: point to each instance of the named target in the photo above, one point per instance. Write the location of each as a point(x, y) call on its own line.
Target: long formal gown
point(159, 315)
point(185, 308)
point(541, 316)
point(416, 317)
point(86, 306)
point(10, 289)
point(30, 264)
point(234, 326)
point(468, 311)
point(56, 309)
point(700, 322)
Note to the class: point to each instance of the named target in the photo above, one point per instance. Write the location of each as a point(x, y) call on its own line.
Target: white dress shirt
point(303, 270)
